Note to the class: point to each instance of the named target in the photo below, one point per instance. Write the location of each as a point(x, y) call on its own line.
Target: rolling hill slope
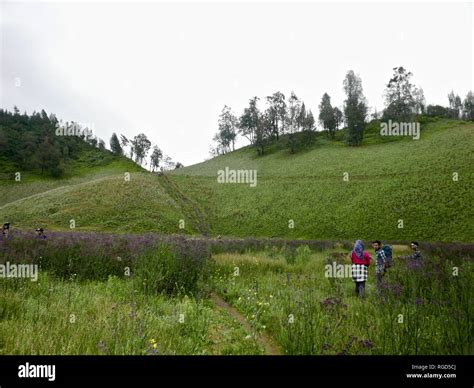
point(389, 180)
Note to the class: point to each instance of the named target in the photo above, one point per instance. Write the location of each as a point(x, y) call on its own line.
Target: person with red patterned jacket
point(360, 267)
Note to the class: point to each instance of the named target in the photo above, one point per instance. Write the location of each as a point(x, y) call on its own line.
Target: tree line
point(289, 117)
point(40, 142)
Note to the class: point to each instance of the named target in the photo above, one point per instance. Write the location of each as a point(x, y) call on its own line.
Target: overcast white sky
point(168, 69)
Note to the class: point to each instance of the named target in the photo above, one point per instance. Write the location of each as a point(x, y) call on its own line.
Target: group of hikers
point(6, 230)
point(383, 261)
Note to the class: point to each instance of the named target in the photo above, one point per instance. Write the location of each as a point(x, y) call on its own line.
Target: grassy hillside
point(91, 164)
point(400, 179)
point(389, 179)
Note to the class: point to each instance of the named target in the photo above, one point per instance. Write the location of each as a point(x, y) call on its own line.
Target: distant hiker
point(380, 261)
point(40, 234)
point(416, 255)
point(360, 267)
point(5, 229)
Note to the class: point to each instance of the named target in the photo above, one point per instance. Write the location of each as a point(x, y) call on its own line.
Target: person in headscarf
point(360, 267)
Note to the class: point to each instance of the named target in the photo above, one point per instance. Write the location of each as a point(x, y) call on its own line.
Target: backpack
point(387, 249)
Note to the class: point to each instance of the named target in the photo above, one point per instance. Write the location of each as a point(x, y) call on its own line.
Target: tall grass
point(175, 268)
point(112, 317)
point(421, 308)
point(106, 294)
point(156, 263)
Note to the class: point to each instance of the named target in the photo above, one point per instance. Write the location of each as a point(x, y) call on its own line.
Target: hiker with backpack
point(360, 267)
point(380, 261)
